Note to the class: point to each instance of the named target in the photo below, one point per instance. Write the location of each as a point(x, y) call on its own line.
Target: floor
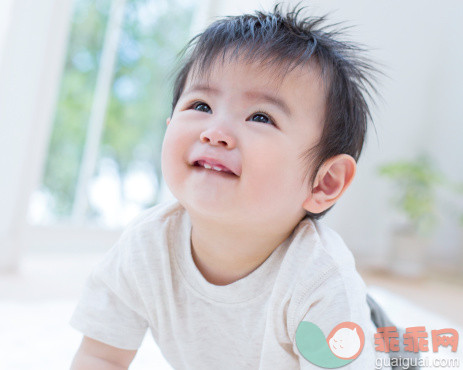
point(435, 292)
point(36, 304)
point(35, 307)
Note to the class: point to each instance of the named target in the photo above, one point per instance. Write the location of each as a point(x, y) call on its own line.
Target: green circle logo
point(342, 346)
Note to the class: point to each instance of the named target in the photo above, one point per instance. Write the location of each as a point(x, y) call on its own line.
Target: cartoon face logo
point(345, 343)
point(346, 340)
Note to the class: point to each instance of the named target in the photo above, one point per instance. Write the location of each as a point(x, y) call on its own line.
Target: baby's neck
point(224, 255)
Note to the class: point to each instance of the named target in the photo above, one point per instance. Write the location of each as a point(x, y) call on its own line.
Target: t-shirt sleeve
point(110, 308)
point(335, 300)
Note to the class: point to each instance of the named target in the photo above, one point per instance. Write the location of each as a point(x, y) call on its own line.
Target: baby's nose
point(216, 136)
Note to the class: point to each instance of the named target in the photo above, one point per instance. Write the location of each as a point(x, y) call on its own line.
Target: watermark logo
point(415, 339)
point(343, 345)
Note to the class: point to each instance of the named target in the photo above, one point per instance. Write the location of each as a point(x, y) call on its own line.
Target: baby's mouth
point(218, 168)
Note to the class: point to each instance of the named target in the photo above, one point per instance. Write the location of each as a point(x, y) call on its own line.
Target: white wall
point(5, 12)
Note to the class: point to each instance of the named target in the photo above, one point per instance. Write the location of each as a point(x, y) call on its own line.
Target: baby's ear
point(167, 121)
point(332, 180)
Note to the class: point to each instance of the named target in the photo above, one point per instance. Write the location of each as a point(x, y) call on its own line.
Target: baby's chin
point(210, 210)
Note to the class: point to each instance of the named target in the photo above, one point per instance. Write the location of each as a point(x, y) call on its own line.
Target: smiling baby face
point(234, 146)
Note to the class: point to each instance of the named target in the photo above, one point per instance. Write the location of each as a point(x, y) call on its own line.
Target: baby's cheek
point(171, 158)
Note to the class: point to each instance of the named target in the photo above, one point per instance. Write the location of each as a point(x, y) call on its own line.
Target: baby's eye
point(201, 107)
point(262, 118)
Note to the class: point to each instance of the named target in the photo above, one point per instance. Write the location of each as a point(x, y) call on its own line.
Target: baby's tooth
point(208, 166)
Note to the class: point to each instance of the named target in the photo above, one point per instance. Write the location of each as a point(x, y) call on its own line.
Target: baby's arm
point(93, 354)
point(340, 298)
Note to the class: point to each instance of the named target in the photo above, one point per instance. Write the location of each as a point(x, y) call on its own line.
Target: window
point(103, 162)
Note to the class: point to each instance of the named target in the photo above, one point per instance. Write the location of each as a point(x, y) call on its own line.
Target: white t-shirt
point(148, 279)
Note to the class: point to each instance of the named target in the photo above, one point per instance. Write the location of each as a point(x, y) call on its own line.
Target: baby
point(269, 118)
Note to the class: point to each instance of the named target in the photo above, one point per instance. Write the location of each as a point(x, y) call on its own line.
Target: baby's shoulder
point(155, 220)
point(318, 253)
point(150, 233)
point(158, 215)
point(324, 273)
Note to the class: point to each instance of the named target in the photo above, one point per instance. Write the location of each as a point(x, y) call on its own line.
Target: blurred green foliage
point(415, 183)
point(153, 32)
